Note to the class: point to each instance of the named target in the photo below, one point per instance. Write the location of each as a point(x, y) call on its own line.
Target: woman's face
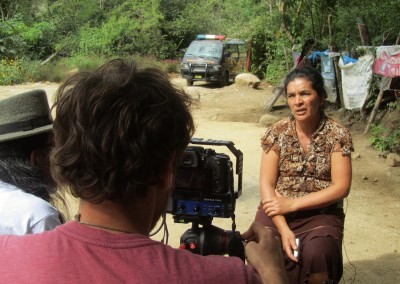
point(303, 100)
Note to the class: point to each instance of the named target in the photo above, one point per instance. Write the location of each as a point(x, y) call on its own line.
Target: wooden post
point(248, 56)
point(374, 111)
point(338, 75)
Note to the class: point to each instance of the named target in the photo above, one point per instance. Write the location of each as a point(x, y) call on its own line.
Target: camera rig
point(204, 189)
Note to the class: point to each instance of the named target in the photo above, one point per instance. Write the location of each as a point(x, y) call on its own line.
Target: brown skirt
point(321, 233)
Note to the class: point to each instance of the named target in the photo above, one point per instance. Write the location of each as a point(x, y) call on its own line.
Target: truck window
point(204, 49)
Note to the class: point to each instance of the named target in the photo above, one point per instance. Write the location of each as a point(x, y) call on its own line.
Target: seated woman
point(305, 173)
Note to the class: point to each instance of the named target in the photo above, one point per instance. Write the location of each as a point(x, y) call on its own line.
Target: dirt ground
point(372, 228)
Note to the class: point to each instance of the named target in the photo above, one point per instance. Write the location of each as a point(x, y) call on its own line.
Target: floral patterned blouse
point(301, 173)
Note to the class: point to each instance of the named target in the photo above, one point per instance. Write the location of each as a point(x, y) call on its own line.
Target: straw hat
point(24, 115)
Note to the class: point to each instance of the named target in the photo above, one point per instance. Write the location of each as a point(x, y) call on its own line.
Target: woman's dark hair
point(17, 169)
point(117, 129)
point(310, 74)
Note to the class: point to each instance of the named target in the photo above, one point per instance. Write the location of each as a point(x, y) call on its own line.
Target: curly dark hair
point(310, 74)
point(117, 129)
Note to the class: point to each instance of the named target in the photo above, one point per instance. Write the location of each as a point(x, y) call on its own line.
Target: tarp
point(356, 81)
point(387, 61)
point(327, 71)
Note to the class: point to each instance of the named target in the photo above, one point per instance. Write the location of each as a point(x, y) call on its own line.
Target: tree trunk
point(364, 35)
point(282, 9)
point(338, 77)
point(286, 58)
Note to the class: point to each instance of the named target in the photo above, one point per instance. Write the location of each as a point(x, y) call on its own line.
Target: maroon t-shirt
point(74, 253)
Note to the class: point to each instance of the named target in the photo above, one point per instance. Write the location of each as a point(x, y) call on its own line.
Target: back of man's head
point(117, 129)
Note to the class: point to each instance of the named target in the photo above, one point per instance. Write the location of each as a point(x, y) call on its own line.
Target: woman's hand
point(289, 243)
point(278, 205)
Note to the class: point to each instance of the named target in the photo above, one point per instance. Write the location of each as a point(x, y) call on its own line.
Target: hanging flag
point(387, 62)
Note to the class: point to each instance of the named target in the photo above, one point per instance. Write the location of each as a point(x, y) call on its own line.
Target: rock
point(247, 79)
point(267, 120)
point(72, 72)
point(356, 156)
point(393, 160)
point(364, 177)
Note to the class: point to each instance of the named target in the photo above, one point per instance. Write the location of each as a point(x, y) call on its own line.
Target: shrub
point(170, 66)
point(383, 139)
point(10, 72)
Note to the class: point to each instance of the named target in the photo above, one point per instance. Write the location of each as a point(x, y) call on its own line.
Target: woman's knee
point(322, 248)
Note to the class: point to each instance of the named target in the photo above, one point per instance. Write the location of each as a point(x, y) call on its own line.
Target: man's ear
point(168, 178)
point(38, 157)
point(34, 157)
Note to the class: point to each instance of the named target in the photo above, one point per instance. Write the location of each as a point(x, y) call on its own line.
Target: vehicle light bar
point(220, 37)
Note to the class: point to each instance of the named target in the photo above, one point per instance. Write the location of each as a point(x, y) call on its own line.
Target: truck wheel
point(225, 81)
point(189, 82)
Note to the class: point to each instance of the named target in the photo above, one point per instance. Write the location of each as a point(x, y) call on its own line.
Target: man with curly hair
point(119, 132)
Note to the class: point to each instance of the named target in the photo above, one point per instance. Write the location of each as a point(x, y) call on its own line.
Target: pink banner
point(387, 64)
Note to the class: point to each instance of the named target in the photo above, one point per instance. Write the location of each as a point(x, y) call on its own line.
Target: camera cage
point(217, 205)
point(200, 207)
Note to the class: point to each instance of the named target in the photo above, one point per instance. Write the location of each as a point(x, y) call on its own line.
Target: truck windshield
point(205, 49)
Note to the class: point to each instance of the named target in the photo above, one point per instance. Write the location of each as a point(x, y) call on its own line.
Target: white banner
point(356, 81)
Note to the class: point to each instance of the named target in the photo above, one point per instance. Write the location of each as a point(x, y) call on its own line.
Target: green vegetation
point(34, 30)
point(46, 40)
point(383, 139)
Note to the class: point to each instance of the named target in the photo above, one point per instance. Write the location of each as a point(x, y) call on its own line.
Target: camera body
point(203, 185)
point(204, 189)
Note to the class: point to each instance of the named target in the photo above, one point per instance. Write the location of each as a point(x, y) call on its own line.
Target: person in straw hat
point(26, 187)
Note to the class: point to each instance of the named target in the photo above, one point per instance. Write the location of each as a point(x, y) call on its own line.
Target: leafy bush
point(11, 43)
point(276, 70)
point(385, 140)
point(10, 72)
point(83, 62)
point(32, 70)
point(170, 66)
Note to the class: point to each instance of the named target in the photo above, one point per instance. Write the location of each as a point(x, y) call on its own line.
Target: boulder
point(267, 120)
point(393, 160)
point(248, 80)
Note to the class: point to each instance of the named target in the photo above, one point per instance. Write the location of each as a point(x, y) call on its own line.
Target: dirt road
point(372, 228)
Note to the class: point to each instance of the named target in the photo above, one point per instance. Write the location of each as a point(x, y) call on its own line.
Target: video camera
point(204, 189)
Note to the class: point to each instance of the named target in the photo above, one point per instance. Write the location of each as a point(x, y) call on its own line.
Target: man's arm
point(263, 252)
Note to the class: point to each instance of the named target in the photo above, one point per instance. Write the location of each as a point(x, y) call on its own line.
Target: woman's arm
point(269, 172)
